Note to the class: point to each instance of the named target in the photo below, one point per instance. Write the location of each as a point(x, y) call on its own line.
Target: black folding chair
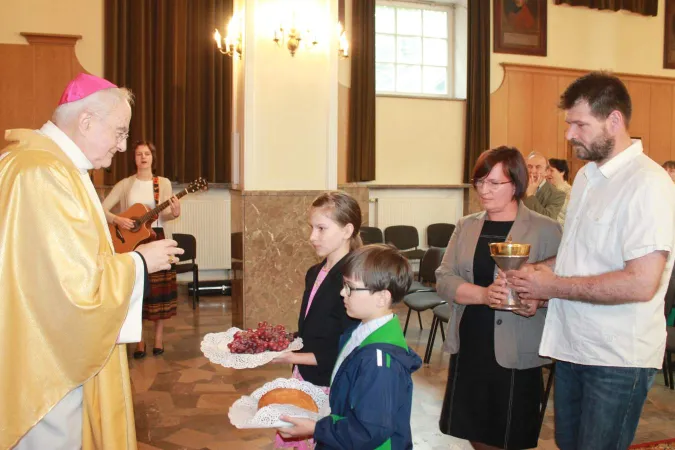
point(188, 243)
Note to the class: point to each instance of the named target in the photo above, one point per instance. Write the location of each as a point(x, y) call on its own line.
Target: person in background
point(541, 196)
point(150, 190)
point(493, 392)
point(558, 174)
point(335, 220)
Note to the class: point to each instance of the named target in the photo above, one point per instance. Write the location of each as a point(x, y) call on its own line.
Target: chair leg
point(195, 285)
point(407, 319)
point(547, 393)
point(419, 317)
point(665, 370)
point(442, 332)
point(669, 356)
point(430, 341)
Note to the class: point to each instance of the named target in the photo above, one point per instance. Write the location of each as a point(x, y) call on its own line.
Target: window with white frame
point(414, 49)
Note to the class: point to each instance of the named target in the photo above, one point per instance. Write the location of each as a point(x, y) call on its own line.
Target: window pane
point(385, 48)
point(385, 77)
point(408, 79)
point(385, 19)
point(409, 50)
point(435, 80)
point(436, 24)
point(436, 52)
point(409, 21)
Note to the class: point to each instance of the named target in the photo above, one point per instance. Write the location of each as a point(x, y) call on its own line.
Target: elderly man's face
point(107, 134)
point(536, 167)
point(519, 3)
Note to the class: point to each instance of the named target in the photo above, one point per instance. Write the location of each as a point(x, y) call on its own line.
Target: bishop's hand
point(159, 255)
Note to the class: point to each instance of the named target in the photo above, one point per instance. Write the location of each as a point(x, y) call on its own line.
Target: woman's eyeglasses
point(491, 185)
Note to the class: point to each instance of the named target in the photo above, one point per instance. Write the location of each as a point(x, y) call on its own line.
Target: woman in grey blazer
point(493, 393)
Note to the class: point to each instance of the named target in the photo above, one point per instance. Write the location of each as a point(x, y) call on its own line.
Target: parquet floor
point(181, 400)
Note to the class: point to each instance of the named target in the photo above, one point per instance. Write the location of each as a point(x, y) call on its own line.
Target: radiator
point(419, 208)
point(207, 217)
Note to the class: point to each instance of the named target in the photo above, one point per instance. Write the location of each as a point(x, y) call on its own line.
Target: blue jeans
point(598, 407)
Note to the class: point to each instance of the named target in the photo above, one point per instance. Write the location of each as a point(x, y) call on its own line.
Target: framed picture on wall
point(669, 37)
point(520, 27)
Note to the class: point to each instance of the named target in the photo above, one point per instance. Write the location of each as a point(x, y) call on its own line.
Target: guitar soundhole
point(137, 225)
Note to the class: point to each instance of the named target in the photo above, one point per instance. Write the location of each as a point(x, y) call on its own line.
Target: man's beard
point(599, 150)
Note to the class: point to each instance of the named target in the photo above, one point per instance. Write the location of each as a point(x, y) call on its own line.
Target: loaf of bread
point(286, 396)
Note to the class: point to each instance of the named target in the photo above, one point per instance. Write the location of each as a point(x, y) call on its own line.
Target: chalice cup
point(510, 256)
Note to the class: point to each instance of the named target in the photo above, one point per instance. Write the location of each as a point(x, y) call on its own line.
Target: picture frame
point(520, 27)
point(669, 36)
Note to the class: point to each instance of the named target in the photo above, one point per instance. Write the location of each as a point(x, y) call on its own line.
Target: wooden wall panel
point(544, 115)
point(641, 96)
point(660, 125)
point(33, 77)
point(563, 147)
point(498, 116)
point(524, 112)
point(16, 86)
point(519, 112)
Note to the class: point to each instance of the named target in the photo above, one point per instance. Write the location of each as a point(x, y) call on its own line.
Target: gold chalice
point(510, 256)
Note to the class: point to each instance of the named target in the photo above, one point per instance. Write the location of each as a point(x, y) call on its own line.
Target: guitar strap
point(155, 189)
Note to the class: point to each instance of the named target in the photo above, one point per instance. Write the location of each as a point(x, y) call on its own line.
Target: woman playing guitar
point(149, 190)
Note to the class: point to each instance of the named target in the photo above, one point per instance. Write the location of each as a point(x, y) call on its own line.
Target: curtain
point(361, 143)
point(164, 52)
point(477, 131)
point(644, 7)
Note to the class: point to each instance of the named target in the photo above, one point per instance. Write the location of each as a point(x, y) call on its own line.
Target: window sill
point(421, 97)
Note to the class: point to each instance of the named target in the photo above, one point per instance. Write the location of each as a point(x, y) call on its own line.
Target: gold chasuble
point(64, 296)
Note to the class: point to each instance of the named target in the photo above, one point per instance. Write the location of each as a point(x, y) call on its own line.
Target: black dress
point(485, 402)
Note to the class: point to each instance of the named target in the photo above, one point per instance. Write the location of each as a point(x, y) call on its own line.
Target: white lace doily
point(214, 347)
point(244, 413)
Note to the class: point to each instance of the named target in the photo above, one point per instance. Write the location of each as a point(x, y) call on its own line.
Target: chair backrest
point(403, 237)
point(438, 234)
point(188, 243)
point(670, 295)
point(371, 235)
point(430, 262)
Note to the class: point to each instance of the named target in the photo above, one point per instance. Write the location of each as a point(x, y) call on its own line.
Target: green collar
point(389, 333)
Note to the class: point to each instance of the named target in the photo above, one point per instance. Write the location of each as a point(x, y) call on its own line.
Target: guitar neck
point(159, 208)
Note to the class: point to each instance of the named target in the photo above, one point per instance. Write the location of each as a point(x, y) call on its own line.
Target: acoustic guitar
point(127, 240)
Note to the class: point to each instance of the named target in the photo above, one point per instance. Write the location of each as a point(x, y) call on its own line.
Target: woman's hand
point(123, 222)
point(301, 427)
point(497, 292)
point(175, 206)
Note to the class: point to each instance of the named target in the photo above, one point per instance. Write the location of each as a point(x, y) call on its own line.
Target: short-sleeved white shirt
point(618, 212)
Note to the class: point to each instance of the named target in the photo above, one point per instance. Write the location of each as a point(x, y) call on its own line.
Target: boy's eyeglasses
point(348, 289)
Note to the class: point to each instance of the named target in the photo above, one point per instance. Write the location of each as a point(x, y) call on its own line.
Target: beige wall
point(419, 141)
point(291, 102)
point(83, 17)
point(582, 38)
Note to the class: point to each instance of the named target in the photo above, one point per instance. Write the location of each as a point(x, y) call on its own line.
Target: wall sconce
point(232, 41)
point(343, 43)
point(293, 37)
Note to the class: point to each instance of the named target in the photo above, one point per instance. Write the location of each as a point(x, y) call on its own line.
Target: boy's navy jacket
point(371, 394)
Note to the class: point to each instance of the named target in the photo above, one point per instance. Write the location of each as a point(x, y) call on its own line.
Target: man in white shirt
point(69, 303)
point(605, 324)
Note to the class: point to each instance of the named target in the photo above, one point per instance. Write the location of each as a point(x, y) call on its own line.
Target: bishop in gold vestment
point(66, 299)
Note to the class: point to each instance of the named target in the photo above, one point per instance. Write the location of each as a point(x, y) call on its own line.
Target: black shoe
point(138, 354)
point(157, 351)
